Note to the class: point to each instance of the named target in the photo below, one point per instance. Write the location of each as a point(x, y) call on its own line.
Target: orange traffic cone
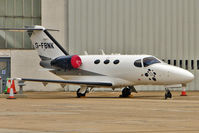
point(183, 92)
point(11, 86)
point(11, 95)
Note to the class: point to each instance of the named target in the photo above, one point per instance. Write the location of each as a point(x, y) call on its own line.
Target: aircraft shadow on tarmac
point(95, 97)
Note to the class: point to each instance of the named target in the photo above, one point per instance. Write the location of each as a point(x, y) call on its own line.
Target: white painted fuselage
point(126, 73)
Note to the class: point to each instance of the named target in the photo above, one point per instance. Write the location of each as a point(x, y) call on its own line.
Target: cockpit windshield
point(149, 61)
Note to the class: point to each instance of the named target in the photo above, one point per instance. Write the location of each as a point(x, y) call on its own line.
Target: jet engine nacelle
point(67, 62)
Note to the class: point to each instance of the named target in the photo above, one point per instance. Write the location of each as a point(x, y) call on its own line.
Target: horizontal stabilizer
point(28, 28)
point(46, 45)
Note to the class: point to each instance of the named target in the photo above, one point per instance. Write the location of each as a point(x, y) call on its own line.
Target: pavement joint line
point(38, 113)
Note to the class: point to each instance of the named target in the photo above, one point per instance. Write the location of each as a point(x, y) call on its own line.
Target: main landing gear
point(126, 92)
point(81, 92)
point(167, 93)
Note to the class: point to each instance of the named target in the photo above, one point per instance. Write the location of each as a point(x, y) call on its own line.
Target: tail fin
point(48, 48)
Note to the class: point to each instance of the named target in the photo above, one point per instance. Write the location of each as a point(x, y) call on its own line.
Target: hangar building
point(167, 29)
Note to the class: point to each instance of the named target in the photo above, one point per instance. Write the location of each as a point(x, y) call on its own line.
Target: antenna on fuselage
point(85, 52)
point(103, 52)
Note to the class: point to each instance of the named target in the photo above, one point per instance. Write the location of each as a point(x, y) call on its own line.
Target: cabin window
point(97, 61)
point(116, 61)
point(106, 61)
point(138, 63)
point(149, 61)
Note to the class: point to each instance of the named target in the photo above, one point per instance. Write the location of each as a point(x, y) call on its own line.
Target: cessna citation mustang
point(101, 71)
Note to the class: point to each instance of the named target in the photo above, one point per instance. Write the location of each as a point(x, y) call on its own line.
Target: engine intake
point(67, 62)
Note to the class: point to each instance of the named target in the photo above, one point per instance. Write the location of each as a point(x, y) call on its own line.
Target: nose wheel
point(167, 93)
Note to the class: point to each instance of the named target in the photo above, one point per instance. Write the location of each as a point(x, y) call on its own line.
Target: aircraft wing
point(69, 82)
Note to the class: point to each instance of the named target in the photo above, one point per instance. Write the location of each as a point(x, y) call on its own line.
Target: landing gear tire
point(80, 94)
point(126, 92)
point(167, 94)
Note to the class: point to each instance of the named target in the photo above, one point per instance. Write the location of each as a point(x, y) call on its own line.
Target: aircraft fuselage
point(126, 70)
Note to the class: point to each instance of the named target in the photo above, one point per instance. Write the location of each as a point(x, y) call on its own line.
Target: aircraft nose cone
point(188, 76)
point(180, 75)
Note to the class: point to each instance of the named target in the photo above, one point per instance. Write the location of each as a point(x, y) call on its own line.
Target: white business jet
point(101, 71)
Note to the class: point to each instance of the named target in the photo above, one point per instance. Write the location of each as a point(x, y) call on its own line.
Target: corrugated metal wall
point(18, 13)
point(168, 29)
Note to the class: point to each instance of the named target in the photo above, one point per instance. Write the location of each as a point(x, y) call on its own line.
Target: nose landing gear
point(167, 93)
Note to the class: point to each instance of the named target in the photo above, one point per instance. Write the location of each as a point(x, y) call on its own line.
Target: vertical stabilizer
point(48, 48)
